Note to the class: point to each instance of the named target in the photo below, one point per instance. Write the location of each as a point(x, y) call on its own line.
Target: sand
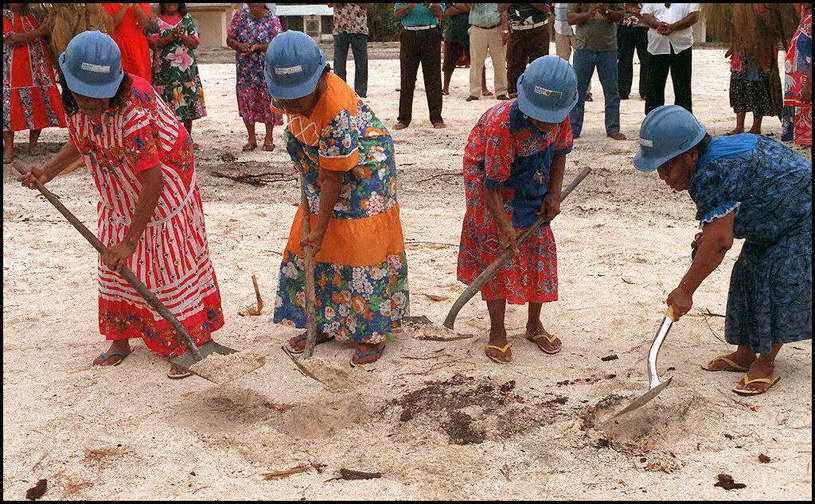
point(437, 418)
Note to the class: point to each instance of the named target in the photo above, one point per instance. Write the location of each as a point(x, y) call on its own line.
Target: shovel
point(655, 386)
point(499, 262)
point(194, 354)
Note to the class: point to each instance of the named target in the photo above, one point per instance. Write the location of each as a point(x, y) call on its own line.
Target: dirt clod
point(764, 459)
point(728, 483)
point(37, 490)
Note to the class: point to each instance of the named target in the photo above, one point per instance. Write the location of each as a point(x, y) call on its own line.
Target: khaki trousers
point(481, 41)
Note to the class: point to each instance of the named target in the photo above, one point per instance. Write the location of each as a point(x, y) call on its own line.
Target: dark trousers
point(524, 47)
point(359, 44)
point(629, 39)
point(415, 47)
point(680, 66)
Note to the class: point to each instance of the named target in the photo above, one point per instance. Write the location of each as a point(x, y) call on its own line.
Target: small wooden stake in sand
point(251, 310)
point(221, 368)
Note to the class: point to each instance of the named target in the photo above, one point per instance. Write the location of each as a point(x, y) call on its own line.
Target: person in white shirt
point(670, 48)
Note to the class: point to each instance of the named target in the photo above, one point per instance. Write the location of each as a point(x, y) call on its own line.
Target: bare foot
point(8, 156)
point(119, 349)
point(734, 131)
point(755, 131)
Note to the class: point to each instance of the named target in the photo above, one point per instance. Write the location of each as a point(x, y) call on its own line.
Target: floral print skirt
point(358, 303)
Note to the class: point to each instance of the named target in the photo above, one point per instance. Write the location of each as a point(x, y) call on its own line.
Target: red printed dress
point(505, 151)
point(30, 95)
point(172, 256)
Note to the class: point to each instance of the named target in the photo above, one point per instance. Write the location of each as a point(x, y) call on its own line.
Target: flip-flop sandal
point(115, 354)
point(733, 366)
point(745, 381)
point(249, 147)
point(359, 355)
point(178, 376)
point(551, 338)
point(302, 337)
point(503, 350)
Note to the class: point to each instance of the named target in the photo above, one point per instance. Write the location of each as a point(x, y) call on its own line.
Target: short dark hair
point(182, 8)
point(71, 107)
point(703, 144)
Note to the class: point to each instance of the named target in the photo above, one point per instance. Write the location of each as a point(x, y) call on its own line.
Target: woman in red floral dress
point(513, 171)
point(150, 215)
point(30, 95)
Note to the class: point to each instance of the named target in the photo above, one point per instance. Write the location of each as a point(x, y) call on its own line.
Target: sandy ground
point(437, 419)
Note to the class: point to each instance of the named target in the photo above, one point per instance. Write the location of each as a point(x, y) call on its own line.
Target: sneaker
point(471, 98)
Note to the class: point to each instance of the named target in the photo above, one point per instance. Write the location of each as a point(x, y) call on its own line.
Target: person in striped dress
point(150, 214)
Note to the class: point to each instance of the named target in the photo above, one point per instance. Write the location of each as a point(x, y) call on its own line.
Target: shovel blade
point(644, 398)
point(187, 359)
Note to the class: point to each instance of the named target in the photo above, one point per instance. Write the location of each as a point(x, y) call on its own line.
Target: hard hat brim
point(294, 92)
point(556, 116)
point(645, 164)
point(90, 90)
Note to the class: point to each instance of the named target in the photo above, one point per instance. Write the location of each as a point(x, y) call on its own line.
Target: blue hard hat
point(666, 132)
point(547, 90)
point(294, 64)
point(92, 65)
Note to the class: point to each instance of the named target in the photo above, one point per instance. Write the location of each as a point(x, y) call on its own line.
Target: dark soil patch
point(472, 410)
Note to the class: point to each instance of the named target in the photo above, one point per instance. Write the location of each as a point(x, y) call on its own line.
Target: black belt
point(488, 27)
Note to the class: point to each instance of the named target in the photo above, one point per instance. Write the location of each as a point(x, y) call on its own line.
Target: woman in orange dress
point(31, 99)
point(131, 19)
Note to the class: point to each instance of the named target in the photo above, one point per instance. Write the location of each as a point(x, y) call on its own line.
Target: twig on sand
point(712, 331)
point(445, 174)
point(439, 338)
point(251, 310)
point(256, 179)
point(37, 464)
point(294, 470)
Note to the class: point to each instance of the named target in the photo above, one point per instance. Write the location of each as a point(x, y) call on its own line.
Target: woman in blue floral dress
point(346, 155)
point(753, 188)
point(249, 34)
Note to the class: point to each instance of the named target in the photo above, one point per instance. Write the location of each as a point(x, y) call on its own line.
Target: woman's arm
point(506, 234)
point(330, 183)
point(120, 14)
point(260, 47)
point(24, 38)
point(143, 18)
point(551, 200)
point(158, 42)
point(152, 180)
point(237, 45)
point(711, 246)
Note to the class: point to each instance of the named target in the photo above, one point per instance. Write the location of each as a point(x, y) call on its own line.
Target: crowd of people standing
point(129, 118)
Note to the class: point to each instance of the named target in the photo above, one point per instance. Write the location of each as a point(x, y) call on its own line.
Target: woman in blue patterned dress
point(346, 155)
point(249, 34)
point(748, 187)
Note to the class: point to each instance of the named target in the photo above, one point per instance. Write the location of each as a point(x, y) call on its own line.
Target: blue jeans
point(606, 63)
point(359, 44)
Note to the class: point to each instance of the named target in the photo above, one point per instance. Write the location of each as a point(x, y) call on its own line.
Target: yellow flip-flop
point(503, 350)
point(733, 366)
point(548, 337)
point(747, 381)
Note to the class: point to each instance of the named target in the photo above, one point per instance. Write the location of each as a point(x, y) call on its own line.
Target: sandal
point(358, 354)
point(733, 366)
point(551, 338)
point(268, 147)
point(178, 376)
point(107, 357)
point(745, 381)
point(503, 350)
point(301, 338)
point(249, 147)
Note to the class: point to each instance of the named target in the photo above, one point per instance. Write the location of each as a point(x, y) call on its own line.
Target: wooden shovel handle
point(125, 271)
point(308, 259)
point(498, 263)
